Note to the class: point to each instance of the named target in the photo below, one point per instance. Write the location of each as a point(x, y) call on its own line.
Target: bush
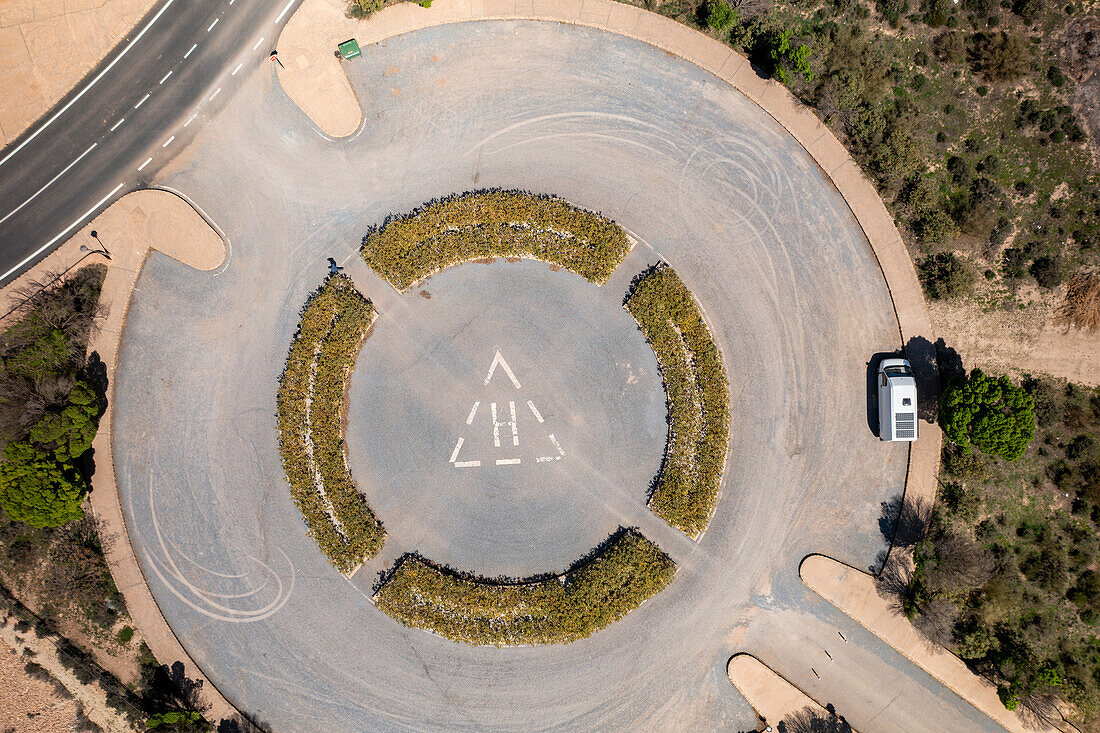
point(686, 490)
point(1048, 271)
point(718, 15)
point(556, 609)
point(999, 56)
point(1027, 9)
point(361, 9)
point(945, 275)
point(125, 634)
point(495, 223)
point(995, 415)
point(312, 391)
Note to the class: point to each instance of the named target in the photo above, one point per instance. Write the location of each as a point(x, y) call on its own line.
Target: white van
point(897, 401)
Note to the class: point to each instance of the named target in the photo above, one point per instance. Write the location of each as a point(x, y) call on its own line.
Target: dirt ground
point(992, 332)
point(29, 704)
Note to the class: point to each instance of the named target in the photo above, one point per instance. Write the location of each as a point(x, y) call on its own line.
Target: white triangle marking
point(498, 360)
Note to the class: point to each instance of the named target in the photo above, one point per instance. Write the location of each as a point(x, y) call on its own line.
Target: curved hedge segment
point(698, 399)
point(409, 248)
point(558, 609)
point(312, 389)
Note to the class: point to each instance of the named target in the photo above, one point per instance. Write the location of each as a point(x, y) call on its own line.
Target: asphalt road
point(127, 118)
point(704, 179)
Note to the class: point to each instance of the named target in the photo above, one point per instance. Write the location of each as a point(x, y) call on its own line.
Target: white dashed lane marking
point(165, 78)
point(147, 162)
point(257, 44)
point(115, 126)
point(141, 102)
point(190, 50)
point(213, 24)
point(168, 141)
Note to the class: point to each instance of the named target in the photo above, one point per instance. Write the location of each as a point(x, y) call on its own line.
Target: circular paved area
point(589, 416)
point(703, 178)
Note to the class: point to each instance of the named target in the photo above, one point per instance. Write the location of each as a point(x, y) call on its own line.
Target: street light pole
point(102, 250)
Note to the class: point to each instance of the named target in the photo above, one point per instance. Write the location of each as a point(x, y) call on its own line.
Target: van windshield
point(898, 371)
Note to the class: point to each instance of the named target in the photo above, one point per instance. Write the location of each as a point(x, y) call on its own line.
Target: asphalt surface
point(93, 146)
point(703, 179)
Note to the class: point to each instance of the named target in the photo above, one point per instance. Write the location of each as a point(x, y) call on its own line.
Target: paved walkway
point(131, 229)
point(47, 46)
point(854, 593)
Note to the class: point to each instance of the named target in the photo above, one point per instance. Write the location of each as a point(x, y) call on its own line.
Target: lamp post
point(102, 250)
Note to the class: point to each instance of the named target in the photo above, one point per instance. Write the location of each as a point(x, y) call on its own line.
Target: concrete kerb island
point(133, 227)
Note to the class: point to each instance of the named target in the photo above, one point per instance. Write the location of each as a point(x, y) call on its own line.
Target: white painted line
point(52, 181)
point(458, 447)
point(280, 15)
point(147, 162)
point(65, 231)
point(498, 360)
point(190, 119)
point(547, 459)
point(90, 84)
point(556, 444)
point(216, 93)
point(213, 24)
point(515, 430)
point(473, 411)
point(231, 1)
point(165, 77)
point(257, 44)
point(508, 461)
point(168, 142)
point(496, 426)
point(535, 411)
point(467, 464)
point(141, 102)
point(237, 69)
point(115, 126)
point(190, 50)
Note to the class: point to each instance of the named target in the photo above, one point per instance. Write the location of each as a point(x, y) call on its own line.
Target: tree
point(38, 489)
point(812, 720)
point(995, 415)
point(999, 56)
point(69, 433)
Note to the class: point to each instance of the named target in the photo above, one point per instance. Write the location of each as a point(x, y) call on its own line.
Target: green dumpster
point(349, 49)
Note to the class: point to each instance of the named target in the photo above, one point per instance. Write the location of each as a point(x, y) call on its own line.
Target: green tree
point(38, 489)
point(69, 433)
point(945, 275)
point(995, 415)
point(999, 56)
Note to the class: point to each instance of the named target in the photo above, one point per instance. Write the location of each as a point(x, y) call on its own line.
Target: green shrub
point(718, 15)
point(312, 391)
point(945, 275)
point(995, 415)
point(69, 433)
point(686, 490)
point(557, 609)
point(1048, 271)
point(495, 223)
point(125, 634)
point(38, 489)
point(361, 9)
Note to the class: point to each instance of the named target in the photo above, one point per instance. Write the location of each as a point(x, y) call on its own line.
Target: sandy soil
point(996, 335)
point(31, 705)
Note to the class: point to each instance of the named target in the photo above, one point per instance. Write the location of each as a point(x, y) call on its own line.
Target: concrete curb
point(314, 79)
point(770, 694)
point(131, 228)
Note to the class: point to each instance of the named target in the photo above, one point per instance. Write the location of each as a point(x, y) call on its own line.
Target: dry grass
point(1081, 307)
